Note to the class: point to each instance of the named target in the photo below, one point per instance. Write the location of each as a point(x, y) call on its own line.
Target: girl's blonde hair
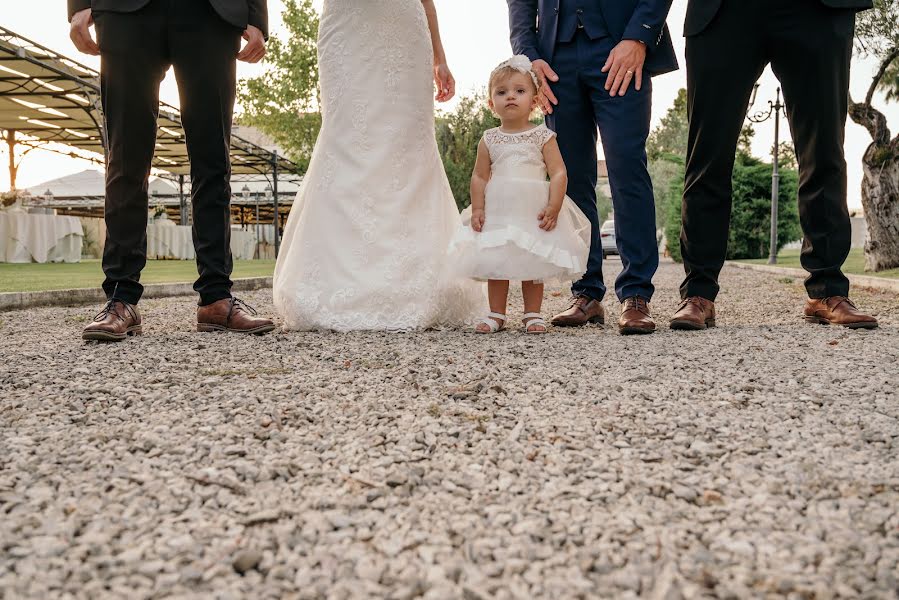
point(516, 64)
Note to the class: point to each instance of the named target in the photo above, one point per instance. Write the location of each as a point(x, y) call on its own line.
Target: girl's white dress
point(511, 245)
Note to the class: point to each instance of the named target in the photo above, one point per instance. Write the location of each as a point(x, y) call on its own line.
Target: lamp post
point(48, 198)
point(245, 192)
point(761, 116)
point(268, 199)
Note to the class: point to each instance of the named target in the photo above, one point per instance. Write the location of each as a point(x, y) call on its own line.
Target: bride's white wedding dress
point(366, 241)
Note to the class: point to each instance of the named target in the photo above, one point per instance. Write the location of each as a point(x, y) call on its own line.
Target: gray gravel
point(758, 459)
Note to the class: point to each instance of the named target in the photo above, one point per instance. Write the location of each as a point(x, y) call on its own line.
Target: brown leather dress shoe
point(582, 310)
point(694, 313)
point(231, 314)
point(838, 310)
point(114, 323)
point(635, 317)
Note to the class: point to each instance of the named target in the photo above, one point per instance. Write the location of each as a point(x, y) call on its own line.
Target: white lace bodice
point(518, 154)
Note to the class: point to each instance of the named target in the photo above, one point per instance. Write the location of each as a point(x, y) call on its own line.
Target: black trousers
point(809, 47)
point(137, 49)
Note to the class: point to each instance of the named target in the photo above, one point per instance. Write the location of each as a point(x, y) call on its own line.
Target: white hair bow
point(520, 63)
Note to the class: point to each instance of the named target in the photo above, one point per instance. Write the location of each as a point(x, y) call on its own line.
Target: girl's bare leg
point(498, 296)
point(532, 292)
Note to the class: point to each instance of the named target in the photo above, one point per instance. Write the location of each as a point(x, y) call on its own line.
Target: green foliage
point(786, 156)
point(669, 199)
point(751, 212)
point(670, 137)
point(877, 30)
point(603, 204)
point(283, 103)
point(458, 135)
point(889, 84)
point(750, 223)
point(665, 171)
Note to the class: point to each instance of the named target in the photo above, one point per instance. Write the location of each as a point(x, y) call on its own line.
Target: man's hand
point(446, 83)
point(255, 48)
point(80, 32)
point(625, 64)
point(545, 74)
point(477, 219)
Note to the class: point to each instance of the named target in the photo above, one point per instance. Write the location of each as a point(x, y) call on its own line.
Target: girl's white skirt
point(512, 246)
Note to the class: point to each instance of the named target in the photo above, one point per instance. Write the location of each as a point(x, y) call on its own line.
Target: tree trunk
point(880, 189)
point(13, 169)
point(880, 199)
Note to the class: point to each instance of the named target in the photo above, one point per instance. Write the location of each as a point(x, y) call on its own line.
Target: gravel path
point(757, 459)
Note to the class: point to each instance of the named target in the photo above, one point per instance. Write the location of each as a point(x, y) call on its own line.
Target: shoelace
point(691, 300)
point(578, 301)
point(110, 309)
point(238, 304)
point(637, 303)
point(841, 300)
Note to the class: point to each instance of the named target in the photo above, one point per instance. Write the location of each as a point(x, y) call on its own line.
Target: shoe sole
point(594, 320)
point(105, 336)
point(208, 328)
point(635, 330)
point(822, 321)
point(691, 325)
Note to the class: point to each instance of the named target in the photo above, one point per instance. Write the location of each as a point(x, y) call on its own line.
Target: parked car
point(607, 236)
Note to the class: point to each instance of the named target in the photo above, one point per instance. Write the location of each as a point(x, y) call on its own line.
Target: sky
point(476, 36)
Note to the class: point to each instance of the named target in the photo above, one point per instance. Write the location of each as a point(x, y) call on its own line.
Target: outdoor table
point(26, 238)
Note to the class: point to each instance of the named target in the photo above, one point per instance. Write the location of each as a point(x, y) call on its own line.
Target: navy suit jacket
point(533, 26)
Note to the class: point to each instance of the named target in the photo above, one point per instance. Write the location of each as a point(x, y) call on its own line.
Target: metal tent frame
point(48, 97)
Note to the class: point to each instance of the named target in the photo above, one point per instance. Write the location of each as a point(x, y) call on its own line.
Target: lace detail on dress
point(537, 136)
point(513, 150)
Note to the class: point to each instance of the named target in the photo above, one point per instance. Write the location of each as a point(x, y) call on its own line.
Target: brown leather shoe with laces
point(838, 310)
point(231, 314)
point(635, 317)
point(114, 323)
point(694, 313)
point(582, 310)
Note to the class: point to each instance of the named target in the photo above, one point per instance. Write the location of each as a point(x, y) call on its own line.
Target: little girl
point(523, 227)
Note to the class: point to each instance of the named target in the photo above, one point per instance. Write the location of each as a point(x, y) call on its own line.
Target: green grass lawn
point(32, 277)
point(855, 264)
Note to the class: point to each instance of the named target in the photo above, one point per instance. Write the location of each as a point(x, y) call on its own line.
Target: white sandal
point(490, 322)
point(532, 319)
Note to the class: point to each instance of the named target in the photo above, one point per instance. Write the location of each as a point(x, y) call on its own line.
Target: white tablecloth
point(169, 241)
point(28, 237)
point(176, 242)
point(243, 244)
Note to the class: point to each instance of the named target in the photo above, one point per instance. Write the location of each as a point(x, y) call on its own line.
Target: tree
point(670, 199)
point(458, 135)
point(12, 142)
point(666, 149)
point(603, 205)
point(877, 35)
point(750, 222)
point(670, 137)
point(283, 103)
point(786, 155)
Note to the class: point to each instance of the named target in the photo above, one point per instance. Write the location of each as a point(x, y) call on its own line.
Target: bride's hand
point(446, 85)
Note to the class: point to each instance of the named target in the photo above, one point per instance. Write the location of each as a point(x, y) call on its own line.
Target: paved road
point(756, 459)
